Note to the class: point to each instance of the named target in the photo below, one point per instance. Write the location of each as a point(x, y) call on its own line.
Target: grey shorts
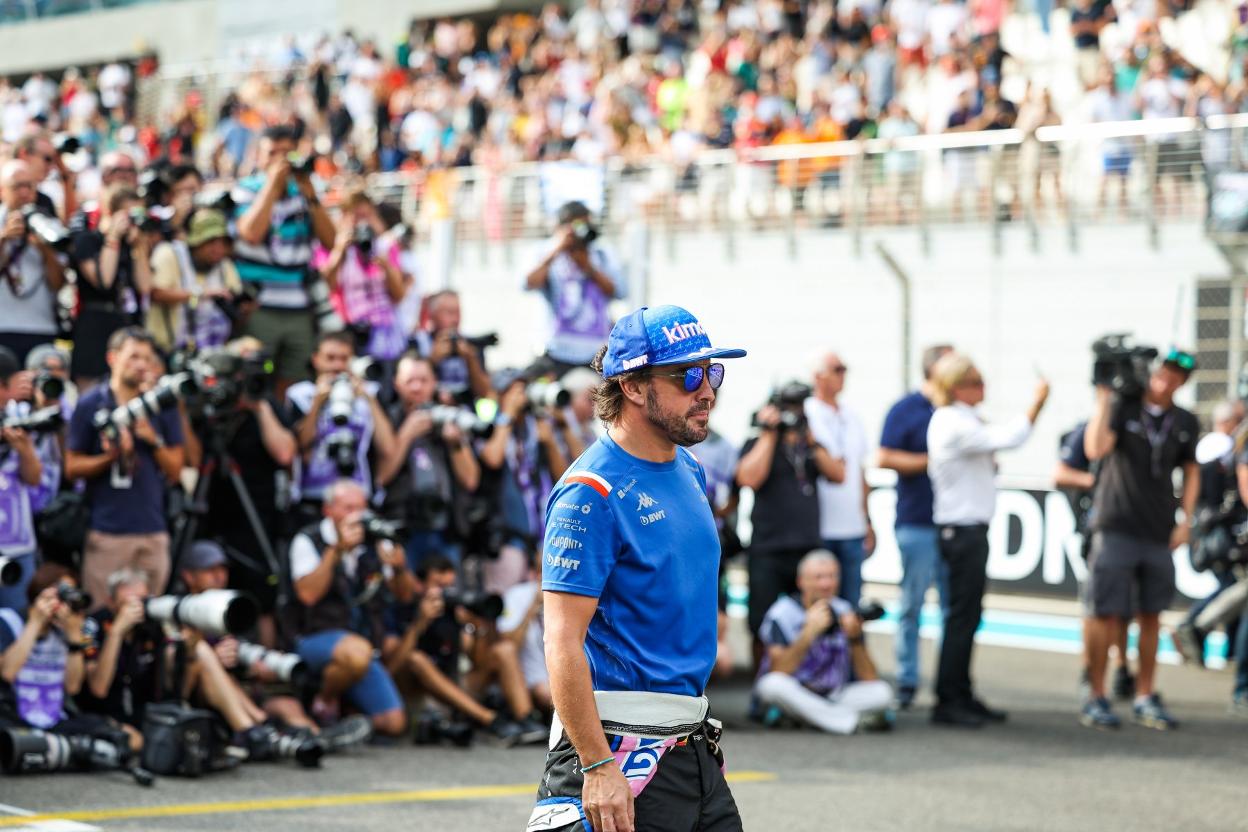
point(1128, 574)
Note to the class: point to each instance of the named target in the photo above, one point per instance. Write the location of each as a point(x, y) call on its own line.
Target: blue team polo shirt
point(640, 537)
point(905, 429)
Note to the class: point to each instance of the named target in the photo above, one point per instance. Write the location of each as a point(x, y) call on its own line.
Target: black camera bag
point(179, 740)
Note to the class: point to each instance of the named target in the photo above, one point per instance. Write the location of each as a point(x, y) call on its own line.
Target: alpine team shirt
point(640, 537)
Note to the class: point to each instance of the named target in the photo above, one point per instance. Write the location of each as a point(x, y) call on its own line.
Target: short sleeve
point(893, 435)
point(11, 626)
point(581, 542)
point(773, 633)
point(171, 427)
point(166, 273)
point(303, 557)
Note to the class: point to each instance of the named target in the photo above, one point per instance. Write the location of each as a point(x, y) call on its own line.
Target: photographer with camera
point(278, 216)
point(42, 669)
point(114, 279)
point(126, 469)
point(338, 569)
point(782, 465)
point(44, 156)
point(198, 301)
point(362, 271)
point(339, 423)
point(32, 270)
point(578, 278)
point(456, 358)
point(432, 461)
point(814, 642)
point(1135, 571)
point(21, 472)
point(1140, 438)
point(961, 460)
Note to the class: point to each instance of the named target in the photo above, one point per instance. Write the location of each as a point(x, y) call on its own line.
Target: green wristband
point(593, 766)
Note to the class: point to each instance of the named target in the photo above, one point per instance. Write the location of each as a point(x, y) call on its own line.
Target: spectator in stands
point(330, 564)
point(367, 424)
point(1140, 443)
point(31, 270)
point(362, 270)
point(126, 470)
point(961, 461)
point(1106, 102)
point(578, 279)
point(844, 523)
point(114, 279)
point(782, 465)
point(278, 216)
point(21, 473)
point(1087, 19)
point(196, 288)
point(903, 448)
point(816, 668)
point(431, 462)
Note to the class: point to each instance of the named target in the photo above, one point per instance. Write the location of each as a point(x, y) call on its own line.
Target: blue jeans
point(850, 553)
point(921, 565)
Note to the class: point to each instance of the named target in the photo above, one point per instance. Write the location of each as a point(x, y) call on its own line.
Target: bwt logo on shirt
point(653, 517)
point(562, 562)
point(680, 332)
point(644, 500)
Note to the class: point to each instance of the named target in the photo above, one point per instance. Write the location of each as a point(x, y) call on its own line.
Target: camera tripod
point(218, 459)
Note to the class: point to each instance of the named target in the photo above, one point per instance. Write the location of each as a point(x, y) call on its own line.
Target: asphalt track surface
point(1040, 771)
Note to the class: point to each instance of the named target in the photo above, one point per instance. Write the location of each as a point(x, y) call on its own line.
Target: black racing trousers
point(965, 550)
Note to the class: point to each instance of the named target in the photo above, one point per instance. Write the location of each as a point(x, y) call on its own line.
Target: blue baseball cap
point(656, 337)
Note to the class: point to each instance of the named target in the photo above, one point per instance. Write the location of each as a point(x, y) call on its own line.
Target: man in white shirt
point(961, 451)
point(843, 522)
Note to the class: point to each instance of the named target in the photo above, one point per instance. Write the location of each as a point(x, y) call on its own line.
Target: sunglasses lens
point(716, 375)
point(693, 379)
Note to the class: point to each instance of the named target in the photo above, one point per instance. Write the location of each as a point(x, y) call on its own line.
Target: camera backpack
point(180, 740)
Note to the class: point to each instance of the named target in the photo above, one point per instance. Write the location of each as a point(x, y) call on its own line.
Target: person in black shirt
point(1140, 442)
point(115, 278)
point(123, 653)
point(782, 465)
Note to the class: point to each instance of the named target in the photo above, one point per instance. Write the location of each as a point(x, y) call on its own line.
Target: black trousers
point(772, 573)
point(965, 550)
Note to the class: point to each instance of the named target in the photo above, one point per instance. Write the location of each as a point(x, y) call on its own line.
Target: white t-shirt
point(27, 304)
point(943, 22)
point(113, 81)
point(516, 602)
point(304, 557)
point(841, 432)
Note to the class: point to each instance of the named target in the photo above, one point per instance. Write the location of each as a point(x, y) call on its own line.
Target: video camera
point(44, 420)
point(791, 400)
point(485, 605)
point(46, 227)
point(1122, 365)
point(215, 612)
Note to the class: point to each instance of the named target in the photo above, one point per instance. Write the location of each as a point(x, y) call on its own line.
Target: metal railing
point(1065, 177)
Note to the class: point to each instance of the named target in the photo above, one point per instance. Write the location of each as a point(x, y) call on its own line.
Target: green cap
point(206, 225)
point(1181, 359)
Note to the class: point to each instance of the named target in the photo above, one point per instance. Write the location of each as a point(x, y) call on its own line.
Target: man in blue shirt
point(903, 448)
point(629, 567)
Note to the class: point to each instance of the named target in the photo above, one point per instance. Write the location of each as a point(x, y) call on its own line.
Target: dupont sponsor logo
point(680, 332)
point(634, 363)
point(653, 517)
point(560, 562)
point(565, 542)
point(644, 500)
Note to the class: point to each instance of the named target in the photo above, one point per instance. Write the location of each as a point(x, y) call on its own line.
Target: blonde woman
point(961, 449)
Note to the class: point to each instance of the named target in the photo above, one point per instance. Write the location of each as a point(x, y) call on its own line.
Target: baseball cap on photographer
point(656, 337)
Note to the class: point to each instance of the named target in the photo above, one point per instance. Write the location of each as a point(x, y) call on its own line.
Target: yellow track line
point(312, 802)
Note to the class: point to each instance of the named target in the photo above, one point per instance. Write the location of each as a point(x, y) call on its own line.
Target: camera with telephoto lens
point(547, 395)
point(46, 227)
point(583, 233)
point(1122, 365)
point(791, 401)
point(377, 528)
point(341, 402)
point(217, 199)
point(214, 612)
point(78, 600)
point(468, 422)
point(44, 420)
point(287, 667)
point(301, 165)
point(145, 220)
point(867, 611)
point(66, 144)
point(232, 305)
point(168, 392)
point(485, 605)
point(30, 750)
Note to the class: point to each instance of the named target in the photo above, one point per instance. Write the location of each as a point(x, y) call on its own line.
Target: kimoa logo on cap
point(680, 332)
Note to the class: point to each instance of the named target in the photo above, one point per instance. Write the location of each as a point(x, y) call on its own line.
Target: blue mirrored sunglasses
point(693, 376)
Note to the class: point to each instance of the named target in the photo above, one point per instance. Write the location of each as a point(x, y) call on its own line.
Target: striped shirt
point(279, 264)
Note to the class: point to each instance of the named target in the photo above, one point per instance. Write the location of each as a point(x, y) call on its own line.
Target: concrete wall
point(1014, 314)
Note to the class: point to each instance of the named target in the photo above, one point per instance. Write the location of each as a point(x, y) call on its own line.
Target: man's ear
point(633, 389)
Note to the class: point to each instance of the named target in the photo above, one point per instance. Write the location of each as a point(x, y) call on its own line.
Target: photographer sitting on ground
point(197, 299)
point(337, 576)
point(430, 463)
point(813, 643)
point(338, 423)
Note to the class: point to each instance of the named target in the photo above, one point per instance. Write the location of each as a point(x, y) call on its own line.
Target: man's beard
point(677, 427)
